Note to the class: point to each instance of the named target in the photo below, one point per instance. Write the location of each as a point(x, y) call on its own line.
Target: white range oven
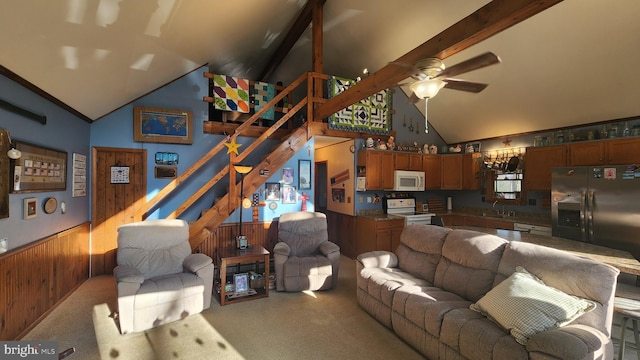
point(406, 208)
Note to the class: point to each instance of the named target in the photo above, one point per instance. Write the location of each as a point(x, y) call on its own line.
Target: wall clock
point(50, 205)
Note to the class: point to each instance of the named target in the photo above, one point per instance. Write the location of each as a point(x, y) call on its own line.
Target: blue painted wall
point(186, 93)
point(63, 132)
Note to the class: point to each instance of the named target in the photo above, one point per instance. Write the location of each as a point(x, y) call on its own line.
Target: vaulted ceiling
point(575, 63)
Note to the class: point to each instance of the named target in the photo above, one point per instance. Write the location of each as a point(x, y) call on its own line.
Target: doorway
point(119, 188)
point(320, 192)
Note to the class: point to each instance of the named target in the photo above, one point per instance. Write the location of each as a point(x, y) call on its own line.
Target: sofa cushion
point(524, 305)
point(420, 249)
point(474, 336)
point(469, 263)
point(425, 306)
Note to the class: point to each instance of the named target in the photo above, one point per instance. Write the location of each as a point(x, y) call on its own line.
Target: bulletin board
point(39, 169)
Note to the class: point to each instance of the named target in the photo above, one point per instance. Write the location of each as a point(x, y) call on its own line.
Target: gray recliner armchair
point(304, 258)
point(159, 280)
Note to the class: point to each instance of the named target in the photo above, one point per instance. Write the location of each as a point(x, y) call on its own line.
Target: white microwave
point(404, 180)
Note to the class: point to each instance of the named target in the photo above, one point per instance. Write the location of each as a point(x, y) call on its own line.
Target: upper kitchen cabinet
point(471, 171)
point(460, 171)
point(432, 167)
point(408, 161)
point(623, 151)
point(607, 152)
point(586, 153)
point(538, 165)
point(451, 166)
point(378, 167)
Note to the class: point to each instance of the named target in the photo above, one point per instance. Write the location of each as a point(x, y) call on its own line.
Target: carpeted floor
point(307, 325)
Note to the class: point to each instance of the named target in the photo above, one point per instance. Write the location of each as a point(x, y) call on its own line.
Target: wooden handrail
point(153, 203)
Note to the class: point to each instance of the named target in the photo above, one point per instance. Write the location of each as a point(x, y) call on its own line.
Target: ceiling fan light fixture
point(427, 88)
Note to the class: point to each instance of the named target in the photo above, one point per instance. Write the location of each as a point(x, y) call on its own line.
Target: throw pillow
point(524, 305)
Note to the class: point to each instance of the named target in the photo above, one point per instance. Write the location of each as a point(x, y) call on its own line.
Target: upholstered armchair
point(304, 258)
point(158, 279)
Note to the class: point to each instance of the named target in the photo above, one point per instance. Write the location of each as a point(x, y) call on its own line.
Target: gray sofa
point(442, 291)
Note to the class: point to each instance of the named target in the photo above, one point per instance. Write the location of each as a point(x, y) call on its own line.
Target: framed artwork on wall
point(304, 174)
point(287, 175)
point(272, 191)
point(162, 125)
point(288, 194)
point(30, 208)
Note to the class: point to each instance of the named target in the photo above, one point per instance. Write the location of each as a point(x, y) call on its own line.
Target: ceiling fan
point(431, 75)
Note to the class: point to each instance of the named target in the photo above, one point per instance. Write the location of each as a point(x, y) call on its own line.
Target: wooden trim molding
point(38, 276)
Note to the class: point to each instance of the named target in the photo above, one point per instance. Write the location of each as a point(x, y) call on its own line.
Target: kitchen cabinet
point(378, 168)
point(538, 165)
point(375, 234)
point(451, 166)
point(432, 167)
point(471, 171)
point(607, 152)
point(460, 171)
point(623, 151)
point(408, 161)
point(586, 153)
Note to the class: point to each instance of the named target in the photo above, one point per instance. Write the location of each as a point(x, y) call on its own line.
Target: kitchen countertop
point(380, 216)
point(620, 259)
point(519, 217)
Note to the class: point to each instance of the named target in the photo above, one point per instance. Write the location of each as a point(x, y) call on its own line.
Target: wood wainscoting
point(341, 229)
point(38, 276)
point(262, 233)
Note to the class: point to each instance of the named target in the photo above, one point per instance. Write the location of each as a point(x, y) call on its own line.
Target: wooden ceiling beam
point(496, 16)
point(297, 29)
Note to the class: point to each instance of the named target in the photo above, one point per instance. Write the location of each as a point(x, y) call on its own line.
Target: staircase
point(201, 229)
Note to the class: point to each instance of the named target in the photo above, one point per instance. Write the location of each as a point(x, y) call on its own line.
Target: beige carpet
point(313, 325)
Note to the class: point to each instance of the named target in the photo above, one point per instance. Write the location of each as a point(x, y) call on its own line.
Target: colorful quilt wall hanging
point(262, 94)
point(230, 93)
point(371, 114)
point(236, 94)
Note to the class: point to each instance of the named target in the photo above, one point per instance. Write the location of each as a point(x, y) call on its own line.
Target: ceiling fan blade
point(463, 85)
point(474, 63)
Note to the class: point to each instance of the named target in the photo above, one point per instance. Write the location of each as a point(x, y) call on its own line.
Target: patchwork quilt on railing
point(371, 114)
point(263, 93)
point(231, 93)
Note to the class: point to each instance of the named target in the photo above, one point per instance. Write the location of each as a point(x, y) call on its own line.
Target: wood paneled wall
point(38, 276)
point(341, 229)
point(264, 234)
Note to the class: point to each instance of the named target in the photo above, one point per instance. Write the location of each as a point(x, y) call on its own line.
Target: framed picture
point(30, 208)
point(287, 175)
point(472, 147)
point(289, 194)
point(162, 126)
point(304, 174)
point(39, 169)
point(241, 282)
point(272, 191)
point(165, 172)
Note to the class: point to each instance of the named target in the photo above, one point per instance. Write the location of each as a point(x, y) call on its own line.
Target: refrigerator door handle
point(583, 215)
point(591, 206)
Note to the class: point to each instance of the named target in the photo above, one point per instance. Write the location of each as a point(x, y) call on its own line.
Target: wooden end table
point(227, 256)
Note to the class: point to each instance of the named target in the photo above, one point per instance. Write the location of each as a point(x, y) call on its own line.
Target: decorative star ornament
point(232, 147)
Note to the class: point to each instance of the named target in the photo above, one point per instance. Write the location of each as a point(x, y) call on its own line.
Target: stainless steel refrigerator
point(597, 204)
